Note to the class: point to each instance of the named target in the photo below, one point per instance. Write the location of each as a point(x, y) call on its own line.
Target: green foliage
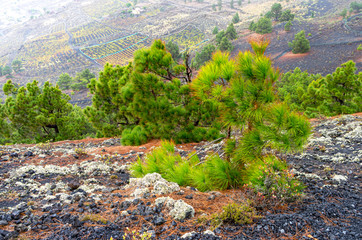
point(149, 93)
point(239, 2)
point(235, 213)
point(268, 14)
point(252, 26)
point(244, 92)
point(16, 65)
point(236, 18)
point(174, 50)
point(359, 48)
point(215, 31)
point(42, 113)
point(79, 82)
point(214, 173)
point(225, 45)
point(292, 86)
point(343, 13)
point(231, 32)
point(263, 26)
point(276, 11)
point(356, 6)
point(6, 70)
point(337, 93)
point(271, 178)
point(300, 44)
point(64, 81)
point(287, 26)
point(135, 136)
point(203, 56)
point(219, 36)
point(287, 16)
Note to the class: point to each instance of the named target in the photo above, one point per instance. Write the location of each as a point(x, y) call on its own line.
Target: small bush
point(235, 213)
point(300, 43)
point(272, 179)
point(134, 137)
point(94, 218)
point(212, 174)
point(80, 151)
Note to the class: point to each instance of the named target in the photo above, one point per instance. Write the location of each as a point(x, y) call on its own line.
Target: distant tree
point(219, 3)
point(1, 71)
point(225, 45)
point(215, 31)
point(174, 50)
point(345, 89)
point(232, 4)
point(264, 25)
point(81, 80)
point(239, 2)
point(231, 32)
point(344, 13)
point(64, 81)
point(300, 43)
point(252, 26)
point(276, 10)
point(287, 26)
point(287, 16)
point(16, 65)
point(356, 6)
point(269, 14)
point(214, 7)
point(203, 56)
point(219, 36)
point(236, 18)
point(7, 70)
point(37, 111)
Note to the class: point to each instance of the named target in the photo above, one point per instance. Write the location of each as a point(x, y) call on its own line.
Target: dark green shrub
point(263, 26)
point(134, 137)
point(300, 44)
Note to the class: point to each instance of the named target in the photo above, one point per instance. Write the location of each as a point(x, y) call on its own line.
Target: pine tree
point(64, 81)
point(150, 98)
point(287, 16)
point(236, 18)
point(215, 31)
point(231, 32)
point(16, 65)
point(37, 112)
point(203, 56)
point(276, 10)
point(81, 80)
point(174, 50)
point(232, 4)
point(245, 95)
point(287, 26)
point(225, 45)
point(263, 26)
point(239, 2)
point(300, 43)
point(345, 89)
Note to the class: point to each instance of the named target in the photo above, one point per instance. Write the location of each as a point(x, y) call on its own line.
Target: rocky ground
point(83, 190)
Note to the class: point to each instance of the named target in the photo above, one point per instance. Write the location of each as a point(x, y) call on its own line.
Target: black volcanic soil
point(57, 192)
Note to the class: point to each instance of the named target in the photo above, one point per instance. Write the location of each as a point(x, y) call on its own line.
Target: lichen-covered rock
point(160, 185)
point(179, 210)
